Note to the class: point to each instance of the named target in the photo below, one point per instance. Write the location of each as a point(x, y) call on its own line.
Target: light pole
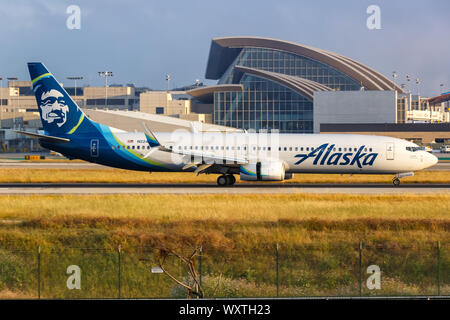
point(408, 78)
point(168, 81)
point(18, 94)
point(106, 74)
point(394, 76)
point(75, 80)
point(441, 86)
point(417, 83)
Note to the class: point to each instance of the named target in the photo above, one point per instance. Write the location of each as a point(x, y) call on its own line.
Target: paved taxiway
point(204, 188)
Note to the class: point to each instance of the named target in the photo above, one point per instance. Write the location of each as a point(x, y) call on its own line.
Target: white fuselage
point(308, 153)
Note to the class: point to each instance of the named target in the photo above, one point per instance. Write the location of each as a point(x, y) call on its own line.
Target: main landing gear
point(226, 180)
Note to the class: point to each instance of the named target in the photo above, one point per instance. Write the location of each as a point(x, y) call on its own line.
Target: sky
point(141, 41)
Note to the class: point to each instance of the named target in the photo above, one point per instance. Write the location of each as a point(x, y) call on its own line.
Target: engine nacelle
point(263, 171)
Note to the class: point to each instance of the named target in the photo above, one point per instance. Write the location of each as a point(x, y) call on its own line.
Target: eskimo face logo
point(325, 155)
point(54, 108)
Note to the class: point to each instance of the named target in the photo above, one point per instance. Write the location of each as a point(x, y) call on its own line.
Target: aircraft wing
point(43, 136)
point(194, 157)
point(212, 158)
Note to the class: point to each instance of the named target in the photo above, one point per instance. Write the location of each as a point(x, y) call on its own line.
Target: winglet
point(151, 139)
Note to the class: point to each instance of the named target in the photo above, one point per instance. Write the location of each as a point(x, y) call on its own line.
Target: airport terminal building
point(271, 84)
point(266, 84)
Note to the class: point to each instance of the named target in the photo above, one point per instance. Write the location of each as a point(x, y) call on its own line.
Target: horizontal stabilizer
point(43, 136)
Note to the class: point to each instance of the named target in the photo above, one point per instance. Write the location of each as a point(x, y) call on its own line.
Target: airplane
point(253, 156)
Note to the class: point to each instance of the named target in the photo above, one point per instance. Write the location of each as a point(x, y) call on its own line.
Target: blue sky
point(141, 41)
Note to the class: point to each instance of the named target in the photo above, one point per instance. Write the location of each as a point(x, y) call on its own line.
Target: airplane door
point(389, 151)
point(94, 148)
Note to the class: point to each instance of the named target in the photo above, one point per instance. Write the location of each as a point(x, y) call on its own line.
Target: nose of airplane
point(430, 159)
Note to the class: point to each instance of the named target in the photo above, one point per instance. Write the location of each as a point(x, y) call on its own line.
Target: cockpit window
point(413, 149)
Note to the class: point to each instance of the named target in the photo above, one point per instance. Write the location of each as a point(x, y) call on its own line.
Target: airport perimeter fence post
point(119, 271)
point(438, 268)
point(360, 268)
point(39, 271)
point(200, 265)
point(277, 268)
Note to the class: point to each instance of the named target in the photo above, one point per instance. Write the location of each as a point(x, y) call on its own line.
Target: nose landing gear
point(396, 182)
point(226, 180)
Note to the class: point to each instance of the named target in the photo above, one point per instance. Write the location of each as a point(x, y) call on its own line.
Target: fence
point(282, 270)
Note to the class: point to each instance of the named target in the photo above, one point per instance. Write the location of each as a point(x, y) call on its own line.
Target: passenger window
point(268, 148)
point(340, 149)
point(370, 149)
point(307, 148)
point(290, 148)
point(138, 147)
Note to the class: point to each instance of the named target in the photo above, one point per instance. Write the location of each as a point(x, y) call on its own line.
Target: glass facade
point(401, 109)
point(291, 64)
point(265, 104)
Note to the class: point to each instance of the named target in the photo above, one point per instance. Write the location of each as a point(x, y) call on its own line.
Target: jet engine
point(264, 171)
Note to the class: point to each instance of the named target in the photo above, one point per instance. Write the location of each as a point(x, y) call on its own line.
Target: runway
point(204, 188)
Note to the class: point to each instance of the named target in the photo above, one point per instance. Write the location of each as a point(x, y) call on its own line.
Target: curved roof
point(206, 94)
point(439, 99)
point(224, 50)
point(304, 86)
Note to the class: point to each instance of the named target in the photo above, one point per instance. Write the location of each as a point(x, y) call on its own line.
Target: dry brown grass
point(28, 175)
point(219, 219)
point(318, 237)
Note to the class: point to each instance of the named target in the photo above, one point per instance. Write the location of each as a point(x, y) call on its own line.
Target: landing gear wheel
point(230, 179)
point(396, 182)
point(222, 180)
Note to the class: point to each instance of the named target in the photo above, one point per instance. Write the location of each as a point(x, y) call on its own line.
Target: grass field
point(28, 175)
point(318, 237)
